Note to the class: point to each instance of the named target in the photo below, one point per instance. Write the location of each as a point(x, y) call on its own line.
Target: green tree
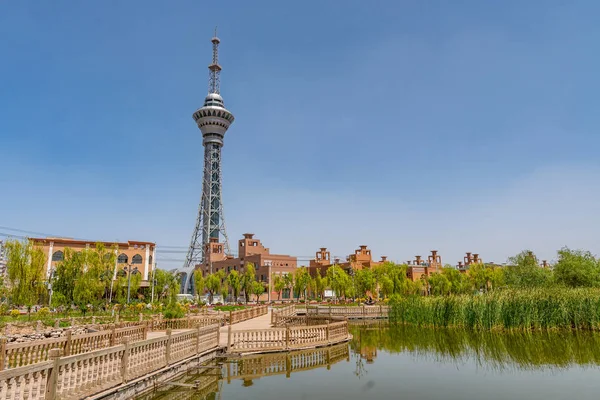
point(248, 279)
point(339, 281)
point(288, 280)
point(278, 285)
point(65, 276)
point(301, 282)
point(235, 283)
point(213, 285)
point(198, 283)
point(133, 283)
point(258, 289)
point(319, 284)
point(25, 271)
point(365, 282)
point(577, 268)
point(392, 279)
point(459, 282)
point(89, 286)
point(167, 286)
point(439, 284)
point(524, 271)
point(224, 289)
point(486, 277)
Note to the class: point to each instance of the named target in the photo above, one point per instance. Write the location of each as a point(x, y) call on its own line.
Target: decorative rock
point(38, 327)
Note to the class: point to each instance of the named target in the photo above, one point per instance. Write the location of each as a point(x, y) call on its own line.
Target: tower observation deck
point(213, 120)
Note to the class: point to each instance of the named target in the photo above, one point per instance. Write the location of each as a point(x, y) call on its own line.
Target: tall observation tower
point(213, 119)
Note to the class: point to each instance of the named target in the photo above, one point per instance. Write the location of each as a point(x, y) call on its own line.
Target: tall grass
point(557, 308)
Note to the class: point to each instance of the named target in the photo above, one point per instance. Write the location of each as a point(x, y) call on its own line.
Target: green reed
point(535, 309)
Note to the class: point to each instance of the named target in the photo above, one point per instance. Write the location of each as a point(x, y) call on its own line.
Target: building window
point(135, 271)
point(58, 256)
point(122, 258)
point(137, 259)
point(150, 260)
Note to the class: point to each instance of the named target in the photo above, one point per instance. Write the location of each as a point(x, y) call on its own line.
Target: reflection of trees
point(499, 350)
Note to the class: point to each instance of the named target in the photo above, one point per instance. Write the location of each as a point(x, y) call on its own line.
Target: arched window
point(122, 258)
point(122, 273)
point(137, 259)
point(150, 260)
point(58, 256)
point(135, 271)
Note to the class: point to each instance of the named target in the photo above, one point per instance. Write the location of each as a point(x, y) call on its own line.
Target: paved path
point(155, 334)
point(262, 322)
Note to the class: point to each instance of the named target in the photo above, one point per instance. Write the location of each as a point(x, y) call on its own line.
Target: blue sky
point(408, 126)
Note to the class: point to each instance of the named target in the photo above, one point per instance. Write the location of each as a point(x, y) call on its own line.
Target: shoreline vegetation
point(503, 310)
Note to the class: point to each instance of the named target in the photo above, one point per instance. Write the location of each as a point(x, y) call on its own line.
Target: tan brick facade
point(139, 256)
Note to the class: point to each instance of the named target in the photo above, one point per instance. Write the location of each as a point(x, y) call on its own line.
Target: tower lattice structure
point(213, 119)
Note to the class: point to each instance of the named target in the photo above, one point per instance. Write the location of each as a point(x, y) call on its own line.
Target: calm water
point(411, 363)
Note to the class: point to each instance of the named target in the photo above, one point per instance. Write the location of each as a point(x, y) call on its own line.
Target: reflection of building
point(361, 258)
point(369, 353)
point(250, 250)
point(139, 256)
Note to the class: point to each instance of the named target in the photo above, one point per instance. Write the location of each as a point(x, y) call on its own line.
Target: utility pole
point(128, 282)
point(153, 283)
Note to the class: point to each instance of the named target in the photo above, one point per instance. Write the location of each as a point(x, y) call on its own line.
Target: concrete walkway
point(262, 322)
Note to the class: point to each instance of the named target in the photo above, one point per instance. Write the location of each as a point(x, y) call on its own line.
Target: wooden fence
point(19, 354)
point(248, 313)
point(360, 312)
point(78, 376)
point(289, 338)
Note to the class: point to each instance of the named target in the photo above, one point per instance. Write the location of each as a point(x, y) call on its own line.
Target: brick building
point(135, 255)
point(361, 258)
point(250, 250)
point(424, 267)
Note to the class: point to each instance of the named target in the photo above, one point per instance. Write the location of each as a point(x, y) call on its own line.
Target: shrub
point(43, 312)
point(15, 313)
point(174, 311)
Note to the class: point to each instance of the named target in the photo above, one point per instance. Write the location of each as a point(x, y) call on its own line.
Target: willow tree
point(235, 283)
point(339, 281)
point(25, 266)
point(213, 285)
point(248, 279)
point(301, 282)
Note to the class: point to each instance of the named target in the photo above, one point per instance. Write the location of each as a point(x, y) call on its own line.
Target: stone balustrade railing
point(248, 313)
point(14, 355)
point(306, 320)
point(379, 311)
point(81, 375)
point(279, 315)
point(185, 323)
point(289, 338)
